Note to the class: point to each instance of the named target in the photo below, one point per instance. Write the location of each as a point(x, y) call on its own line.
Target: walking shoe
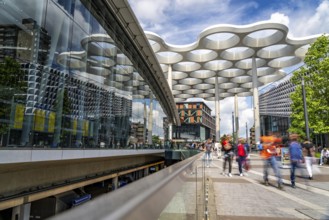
point(310, 178)
point(241, 174)
point(223, 173)
point(280, 186)
point(266, 183)
point(230, 175)
point(293, 185)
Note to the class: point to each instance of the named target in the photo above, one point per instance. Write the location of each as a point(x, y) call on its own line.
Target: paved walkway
point(248, 198)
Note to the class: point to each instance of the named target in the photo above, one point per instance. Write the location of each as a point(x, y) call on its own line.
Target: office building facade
point(197, 124)
point(274, 106)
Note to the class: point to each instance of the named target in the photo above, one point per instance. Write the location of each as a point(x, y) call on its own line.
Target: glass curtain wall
point(64, 83)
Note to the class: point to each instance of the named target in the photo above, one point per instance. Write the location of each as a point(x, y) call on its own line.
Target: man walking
point(296, 157)
point(269, 155)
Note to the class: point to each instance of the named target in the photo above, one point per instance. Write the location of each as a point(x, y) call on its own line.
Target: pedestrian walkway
point(247, 197)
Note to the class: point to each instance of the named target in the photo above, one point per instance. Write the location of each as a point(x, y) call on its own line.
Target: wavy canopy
point(226, 52)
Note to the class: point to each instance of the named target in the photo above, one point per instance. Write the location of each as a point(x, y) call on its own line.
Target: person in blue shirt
point(296, 157)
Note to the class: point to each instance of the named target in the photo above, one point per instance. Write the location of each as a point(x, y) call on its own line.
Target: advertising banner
point(285, 158)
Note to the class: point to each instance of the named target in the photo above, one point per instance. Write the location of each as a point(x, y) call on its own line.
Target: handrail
point(143, 199)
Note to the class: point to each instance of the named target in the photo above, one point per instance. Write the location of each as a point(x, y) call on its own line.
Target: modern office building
point(275, 110)
point(274, 107)
point(197, 124)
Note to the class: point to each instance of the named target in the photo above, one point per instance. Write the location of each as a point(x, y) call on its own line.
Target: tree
point(156, 139)
point(11, 82)
point(316, 77)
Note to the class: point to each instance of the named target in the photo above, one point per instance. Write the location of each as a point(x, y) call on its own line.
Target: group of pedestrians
point(299, 153)
point(228, 150)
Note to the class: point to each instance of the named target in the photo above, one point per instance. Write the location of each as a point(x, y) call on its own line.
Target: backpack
point(308, 146)
point(242, 150)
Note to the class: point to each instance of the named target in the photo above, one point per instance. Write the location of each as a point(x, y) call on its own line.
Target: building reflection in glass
point(64, 83)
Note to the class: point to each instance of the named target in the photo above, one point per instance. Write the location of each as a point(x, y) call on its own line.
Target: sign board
point(285, 157)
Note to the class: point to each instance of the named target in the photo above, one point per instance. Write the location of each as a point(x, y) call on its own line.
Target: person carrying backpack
point(241, 155)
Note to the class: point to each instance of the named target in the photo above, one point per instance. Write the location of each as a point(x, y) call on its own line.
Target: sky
point(179, 22)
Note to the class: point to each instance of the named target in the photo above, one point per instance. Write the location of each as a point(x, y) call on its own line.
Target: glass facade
point(65, 83)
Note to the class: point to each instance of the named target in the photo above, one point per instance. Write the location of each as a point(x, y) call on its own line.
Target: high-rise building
point(274, 108)
point(197, 124)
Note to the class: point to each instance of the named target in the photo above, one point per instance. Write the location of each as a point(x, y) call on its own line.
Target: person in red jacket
point(241, 155)
point(228, 153)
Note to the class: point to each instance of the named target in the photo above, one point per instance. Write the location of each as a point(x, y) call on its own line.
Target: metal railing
point(176, 191)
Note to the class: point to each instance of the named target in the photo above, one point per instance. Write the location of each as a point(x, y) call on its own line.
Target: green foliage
point(316, 77)
point(11, 82)
point(66, 103)
point(156, 139)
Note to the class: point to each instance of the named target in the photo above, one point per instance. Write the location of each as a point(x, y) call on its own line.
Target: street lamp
point(305, 110)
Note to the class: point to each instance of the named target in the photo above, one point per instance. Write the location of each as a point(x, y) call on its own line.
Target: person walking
point(241, 155)
point(296, 157)
point(208, 148)
point(269, 156)
point(308, 152)
point(227, 150)
point(323, 155)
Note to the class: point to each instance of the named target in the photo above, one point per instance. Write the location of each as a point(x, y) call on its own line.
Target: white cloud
point(280, 18)
point(151, 10)
point(312, 23)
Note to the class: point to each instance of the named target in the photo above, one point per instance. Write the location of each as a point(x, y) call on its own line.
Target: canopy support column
point(256, 101)
point(217, 110)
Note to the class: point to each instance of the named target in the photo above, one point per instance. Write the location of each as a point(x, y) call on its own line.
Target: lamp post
point(305, 110)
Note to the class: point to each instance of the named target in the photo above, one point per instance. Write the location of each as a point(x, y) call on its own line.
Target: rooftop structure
point(229, 60)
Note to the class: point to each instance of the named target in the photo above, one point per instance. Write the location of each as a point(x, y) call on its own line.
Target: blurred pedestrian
point(208, 149)
point(259, 146)
point(227, 150)
point(269, 156)
point(323, 155)
point(241, 155)
point(296, 157)
point(308, 152)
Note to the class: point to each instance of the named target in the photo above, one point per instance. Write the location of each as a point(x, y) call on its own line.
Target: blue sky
point(179, 22)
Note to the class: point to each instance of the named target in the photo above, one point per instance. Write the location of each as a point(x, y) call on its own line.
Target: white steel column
point(150, 121)
point(21, 212)
point(236, 116)
point(115, 183)
point(256, 102)
point(217, 110)
point(170, 77)
point(170, 86)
